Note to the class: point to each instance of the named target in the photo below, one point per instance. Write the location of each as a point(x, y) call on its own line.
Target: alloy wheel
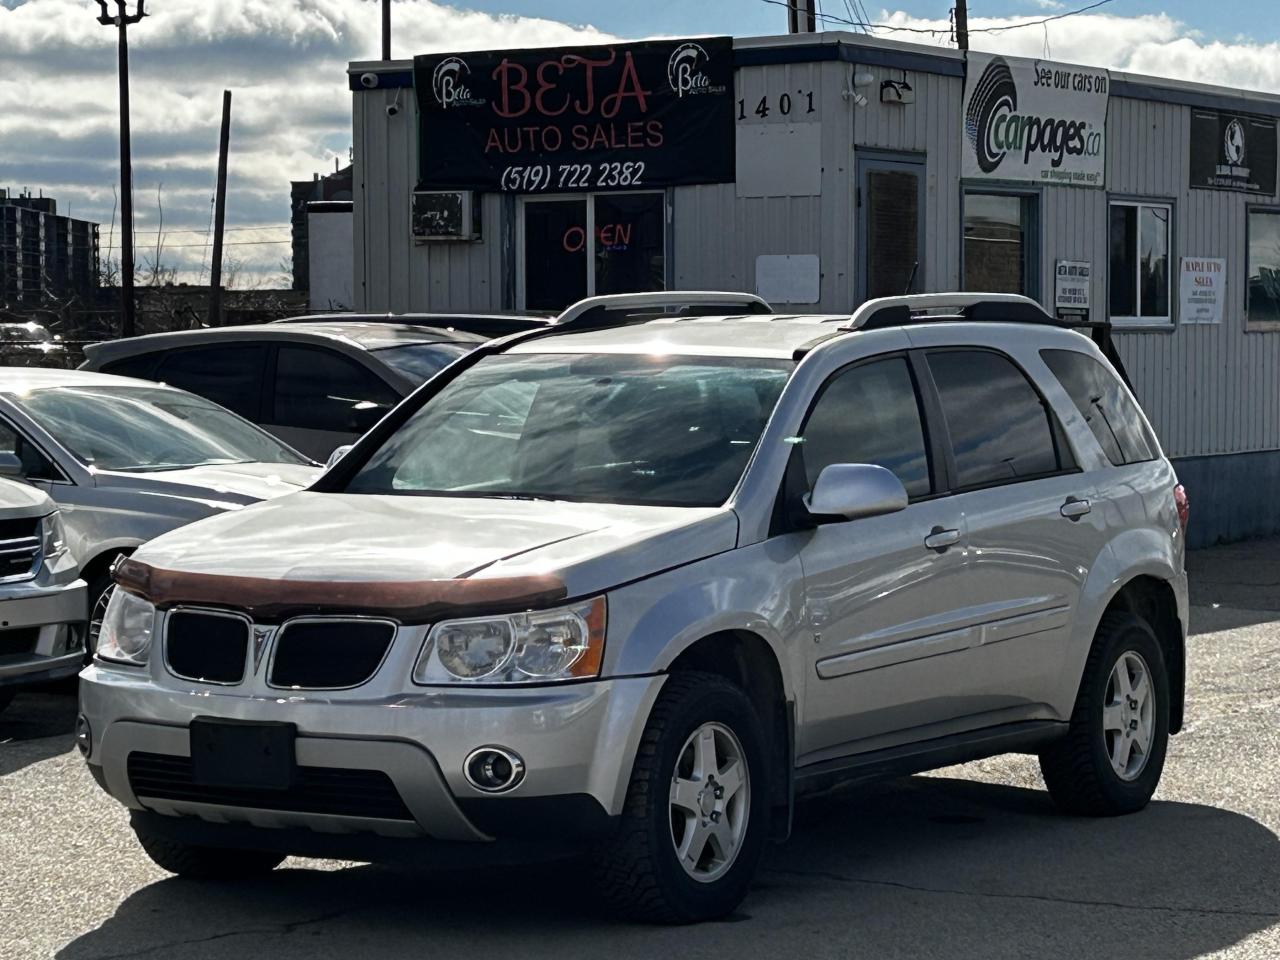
point(710, 802)
point(1128, 716)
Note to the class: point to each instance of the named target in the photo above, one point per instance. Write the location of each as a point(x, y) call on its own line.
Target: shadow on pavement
point(923, 867)
point(38, 725)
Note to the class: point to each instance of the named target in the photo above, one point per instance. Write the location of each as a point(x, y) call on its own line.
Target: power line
point(936, 31)
point(232, 243)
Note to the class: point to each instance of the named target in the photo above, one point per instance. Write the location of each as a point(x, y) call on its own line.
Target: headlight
point(127, 627)
point(539, 647)
point(53, 537)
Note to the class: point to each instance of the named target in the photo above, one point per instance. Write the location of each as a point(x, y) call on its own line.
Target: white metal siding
point(1209, 389)
point(399, 275)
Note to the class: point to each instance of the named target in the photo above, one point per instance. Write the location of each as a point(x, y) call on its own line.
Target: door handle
point(1075, 508)
point(940, 538)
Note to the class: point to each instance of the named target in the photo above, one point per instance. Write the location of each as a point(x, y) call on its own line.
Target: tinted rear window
point(1001, 431)
point(1105, 405)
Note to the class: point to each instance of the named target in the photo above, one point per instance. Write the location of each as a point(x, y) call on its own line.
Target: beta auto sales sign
point(577, 119)
point(1034, 120)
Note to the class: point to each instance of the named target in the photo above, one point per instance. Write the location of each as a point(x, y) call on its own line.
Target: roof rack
point(980, 308)
point(624, 309)
point(897, 311)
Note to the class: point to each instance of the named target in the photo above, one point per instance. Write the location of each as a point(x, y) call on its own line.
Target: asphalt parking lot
point(969, 862)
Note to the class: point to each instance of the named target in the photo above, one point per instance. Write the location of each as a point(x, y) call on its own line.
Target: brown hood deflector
point(267, 600)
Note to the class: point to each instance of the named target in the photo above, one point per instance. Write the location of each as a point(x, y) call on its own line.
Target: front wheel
point(697, 807)
point(205, 863)
point(1110, 761)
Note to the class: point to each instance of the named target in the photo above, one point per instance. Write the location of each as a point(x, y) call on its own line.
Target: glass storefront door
point(575, 247)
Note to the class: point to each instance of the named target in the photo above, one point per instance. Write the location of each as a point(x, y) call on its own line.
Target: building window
point(998, 240)
point(1263, 278)
point(583, 246)
point(1140, 277)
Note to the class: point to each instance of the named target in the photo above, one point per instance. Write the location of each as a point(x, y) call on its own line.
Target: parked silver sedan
point(127, 460)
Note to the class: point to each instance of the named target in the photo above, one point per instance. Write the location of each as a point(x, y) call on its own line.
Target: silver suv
point(636, 589)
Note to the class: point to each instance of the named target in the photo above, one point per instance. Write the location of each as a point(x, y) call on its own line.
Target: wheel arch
point(747, 660)
point(1154, 601)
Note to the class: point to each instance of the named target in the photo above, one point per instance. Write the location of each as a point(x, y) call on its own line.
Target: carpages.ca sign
point(1034, 120)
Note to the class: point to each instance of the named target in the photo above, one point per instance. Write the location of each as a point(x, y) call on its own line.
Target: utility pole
point(220, 215)
point(121, 21)
point(386, 29)
point(962, 24)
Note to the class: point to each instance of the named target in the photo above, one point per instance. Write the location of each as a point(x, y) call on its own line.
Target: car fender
point(1143, 551)
point(758, 589)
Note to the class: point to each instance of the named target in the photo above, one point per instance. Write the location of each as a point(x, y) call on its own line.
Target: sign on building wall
point(1071, 287)
point(1233, 152)
point(1202, 285)
point(1034, 120)
point(577, 119)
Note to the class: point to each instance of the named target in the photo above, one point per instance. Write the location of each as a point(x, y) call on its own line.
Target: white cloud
point(285, 62)
point(1154, 44)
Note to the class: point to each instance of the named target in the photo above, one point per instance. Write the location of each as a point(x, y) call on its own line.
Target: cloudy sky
point(285, 62)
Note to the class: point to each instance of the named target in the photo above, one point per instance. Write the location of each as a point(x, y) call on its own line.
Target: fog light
point(493, 769)
point(84, 738)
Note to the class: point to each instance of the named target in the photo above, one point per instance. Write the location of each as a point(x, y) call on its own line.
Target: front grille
point(208, 647)
point(19, 641)
point(322, 790)
point(329, 654)
point(19, 548)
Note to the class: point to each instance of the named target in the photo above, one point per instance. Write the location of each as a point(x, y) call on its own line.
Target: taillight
point(1183, 504)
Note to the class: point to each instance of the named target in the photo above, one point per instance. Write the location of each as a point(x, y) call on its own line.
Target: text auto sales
point(539, 95)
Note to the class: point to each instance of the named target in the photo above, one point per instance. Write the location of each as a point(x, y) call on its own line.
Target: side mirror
point(11, 466)
point(852, 490)
point(337, 455)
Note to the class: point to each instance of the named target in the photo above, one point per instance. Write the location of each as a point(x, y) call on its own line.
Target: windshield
point(606, 428)
point(422, 361)
point(149, 428)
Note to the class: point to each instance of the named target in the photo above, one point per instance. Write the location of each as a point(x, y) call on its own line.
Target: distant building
point(320, 189)
point(43, 256)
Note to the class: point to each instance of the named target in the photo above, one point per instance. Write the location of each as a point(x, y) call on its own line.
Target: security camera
point(393, 109)
point(368, 80)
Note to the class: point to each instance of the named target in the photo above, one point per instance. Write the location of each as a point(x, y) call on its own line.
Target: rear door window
point(869, 413)
point(228, 374)
point(320, 389)
point(1001, 430)
point(1105, 405)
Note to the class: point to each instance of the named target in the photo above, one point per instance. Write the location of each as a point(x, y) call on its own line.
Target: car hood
point(18, 500)
point(346, 538)
point(225, 485)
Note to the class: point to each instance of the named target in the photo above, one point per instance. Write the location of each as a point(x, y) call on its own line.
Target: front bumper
point(47, 624)
point(577, 742)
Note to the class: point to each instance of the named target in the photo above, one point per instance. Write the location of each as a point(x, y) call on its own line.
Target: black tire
point(206, 863)
point(1077, 769)
point(6, 698)
point(638, 872)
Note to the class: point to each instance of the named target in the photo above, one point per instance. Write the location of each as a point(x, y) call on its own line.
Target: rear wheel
point(206, 863)
point(697, 807)
point(1111, 759)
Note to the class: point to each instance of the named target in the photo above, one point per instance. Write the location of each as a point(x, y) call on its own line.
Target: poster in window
point(581, 119)
point(1233, 152)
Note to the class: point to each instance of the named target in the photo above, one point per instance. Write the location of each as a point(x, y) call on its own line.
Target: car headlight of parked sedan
point(127, 629)
point(53, 537)
point(542, 646)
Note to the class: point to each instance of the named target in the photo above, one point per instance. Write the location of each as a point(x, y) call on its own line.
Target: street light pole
point(121, 21)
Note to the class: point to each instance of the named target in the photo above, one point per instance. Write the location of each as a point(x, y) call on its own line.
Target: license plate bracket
point(243, 753)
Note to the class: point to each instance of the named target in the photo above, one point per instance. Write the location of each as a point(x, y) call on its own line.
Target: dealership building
point(820, 170)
